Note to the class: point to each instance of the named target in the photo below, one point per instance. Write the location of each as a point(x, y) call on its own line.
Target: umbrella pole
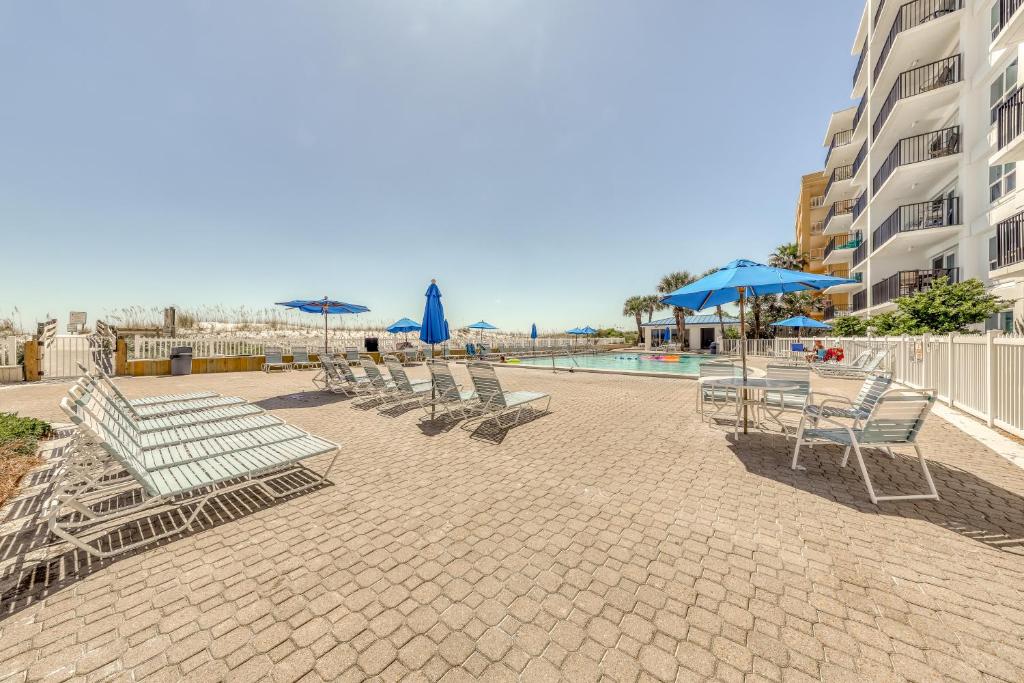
point(743, 352)
point(325, 331)
point(433, 388)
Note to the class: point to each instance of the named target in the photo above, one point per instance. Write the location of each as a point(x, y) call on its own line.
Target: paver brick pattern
point(618, 538)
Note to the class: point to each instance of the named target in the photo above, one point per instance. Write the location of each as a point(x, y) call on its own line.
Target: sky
point(542, 160)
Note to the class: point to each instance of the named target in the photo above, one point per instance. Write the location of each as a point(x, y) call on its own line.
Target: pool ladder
point(568, 354)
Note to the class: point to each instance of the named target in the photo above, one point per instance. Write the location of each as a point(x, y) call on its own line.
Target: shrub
point(22, 434)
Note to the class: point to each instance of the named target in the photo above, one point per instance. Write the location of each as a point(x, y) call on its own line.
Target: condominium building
point(811, 239)
point(921, 178)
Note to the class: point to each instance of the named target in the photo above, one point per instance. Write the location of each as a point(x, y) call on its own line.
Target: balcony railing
point(938, 213)
point(817, 254)
point(860, 65)
point(840, 139)
point(859, 254)
point(818, 228)
point(917, 81)
point(1010, 117)
point(1010, 241)
point(908, 282)
point(1007, 8)
point(844, 272)
point(839, 174)
point(818, 201)
point(860, 110)
point(843, 242)
point(910, 15)
point(860, 204)
point(840, 208)
point(859, 301)
point(834, 310)
point(939, 143)
point(878, 11)
point(859, 159)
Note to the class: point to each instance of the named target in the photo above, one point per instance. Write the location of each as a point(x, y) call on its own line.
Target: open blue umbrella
point(481, 326)
point(403, 325)
point(324, 307)
point(800, 322)
point(739, 278)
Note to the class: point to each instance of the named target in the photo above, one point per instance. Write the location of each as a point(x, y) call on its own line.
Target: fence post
point(31, 350)
point(990, 376)
point(950, 374)
point(926, 374)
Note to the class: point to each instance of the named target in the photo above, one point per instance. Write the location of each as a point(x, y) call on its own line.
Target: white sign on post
point(76, 321)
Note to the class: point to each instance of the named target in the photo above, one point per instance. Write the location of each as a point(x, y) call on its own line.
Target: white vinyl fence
point(208, 346)
point(10, 368)
point(982, 375)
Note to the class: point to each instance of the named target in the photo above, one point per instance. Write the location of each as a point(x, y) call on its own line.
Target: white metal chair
point(719, 397)
point(896, 420)
point(274, 359)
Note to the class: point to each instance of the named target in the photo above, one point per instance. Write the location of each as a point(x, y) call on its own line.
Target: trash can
point(713, 348)
point(371, 344)
point(181, 360)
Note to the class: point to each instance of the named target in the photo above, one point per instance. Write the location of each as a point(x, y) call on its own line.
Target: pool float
point(512, 360)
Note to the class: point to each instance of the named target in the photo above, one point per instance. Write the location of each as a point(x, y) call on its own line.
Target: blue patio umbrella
point(434, 329)
point(533, 336)
point(403, 326)
point(324, 307)
point(800, 322)
point(481, 326)
point(741, 277)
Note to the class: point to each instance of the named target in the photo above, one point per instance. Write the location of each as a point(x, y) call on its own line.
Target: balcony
point(919, 26)
point(838, 181)
point(859, 211)
point(817, 229)
point(859, 71)
point(1010, 247)
point(909, 282)
point(816, 256)
point(840, 143)
point(844, 272)
point(1010, 129)
point(919, 95)
point(1011, 24)
point(917, 161)
point(859, 254)
point(840, 248)
point(859, 301)
point(818, 201)
point(918, 225)
point(839, 217)
point(835, 310)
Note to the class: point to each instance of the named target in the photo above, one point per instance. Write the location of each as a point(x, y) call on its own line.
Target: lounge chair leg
point(796, 448)
point(846, 457)
point(863, 471)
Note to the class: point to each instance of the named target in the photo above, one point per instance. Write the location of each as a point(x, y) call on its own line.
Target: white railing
point(207, 346)
point(9, 349)
point(982, 375)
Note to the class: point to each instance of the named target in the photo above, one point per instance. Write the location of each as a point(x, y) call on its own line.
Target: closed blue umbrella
point(668, 334)
point(434, 329)
point(533, 336)
point(324, 307)
point(739, 278)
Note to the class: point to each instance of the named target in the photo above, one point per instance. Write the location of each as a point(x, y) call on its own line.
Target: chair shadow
point(36, 565)
point(492, 431)
point(968, 505)
point(302, 399)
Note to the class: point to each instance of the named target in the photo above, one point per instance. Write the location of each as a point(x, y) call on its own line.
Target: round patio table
point(749, 391)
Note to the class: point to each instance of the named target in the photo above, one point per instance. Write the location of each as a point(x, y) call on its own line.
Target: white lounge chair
point(406, 390)
point(274, 360)
point(89, 384)
point(162, 422)
point(866, 363)
point(99, 375)
point(448, 397)
point(896, 420)
point(858, 410)
point(776, 403)
point(300, 359)
point(495, 403)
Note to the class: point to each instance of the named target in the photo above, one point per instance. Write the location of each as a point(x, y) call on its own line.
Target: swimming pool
point(677, 363)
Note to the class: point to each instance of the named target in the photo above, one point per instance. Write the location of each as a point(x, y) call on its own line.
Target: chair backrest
point(470, 350)
point(103, 382)
point(898, 417)
point(871, 391)
point(373, 372)
point(798, 375)
point(273, 355)
point(111, 441)
point(351, 353)
point(444, 381)
point(718, 370)
point(861, 359)
point(300, 354)
point(398, 375)
point(876, 361)
point(486, 383)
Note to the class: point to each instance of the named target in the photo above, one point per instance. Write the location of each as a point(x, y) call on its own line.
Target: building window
point(1001, 88)
point(1002, 179)
point(994, 21)
point(993, 253)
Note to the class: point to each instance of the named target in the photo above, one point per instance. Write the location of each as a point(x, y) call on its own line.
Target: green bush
point(23, 432)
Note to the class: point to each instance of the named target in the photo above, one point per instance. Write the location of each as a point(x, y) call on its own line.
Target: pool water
point(681, 363)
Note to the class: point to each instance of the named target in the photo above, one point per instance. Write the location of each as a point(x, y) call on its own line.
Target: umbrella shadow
point(302, 399)
point(399, 408)
point(968, 505)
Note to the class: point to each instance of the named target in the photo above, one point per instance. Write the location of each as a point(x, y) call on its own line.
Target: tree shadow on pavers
point(968, 505)
point(301, 399)
point(492, 431)
point(35, 565)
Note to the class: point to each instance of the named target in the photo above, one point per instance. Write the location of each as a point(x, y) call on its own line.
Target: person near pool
point(817, 352)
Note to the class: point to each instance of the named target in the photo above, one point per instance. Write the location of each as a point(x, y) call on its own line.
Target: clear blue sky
point(543, 160)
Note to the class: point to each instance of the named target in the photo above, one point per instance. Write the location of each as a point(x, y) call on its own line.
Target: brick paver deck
point(616, 538)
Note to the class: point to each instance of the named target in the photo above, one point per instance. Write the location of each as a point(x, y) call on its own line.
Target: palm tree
point(670, 283)
point(652, 303)
point(635, 306)
point(788, 256)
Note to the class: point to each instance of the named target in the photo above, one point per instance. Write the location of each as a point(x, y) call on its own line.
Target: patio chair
point(719, 397)
point(159, 409)
point(776, 403)
point(496, 403)
point(872, 367)
point(275, 360)
point(858, 410)
point(379, 385)
point(99, 375)
point(177, 485)
point(856, 364)
point(300, 359)
point(447, 396)
point(895, 421)
point(351, 354)
point(404, 388)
